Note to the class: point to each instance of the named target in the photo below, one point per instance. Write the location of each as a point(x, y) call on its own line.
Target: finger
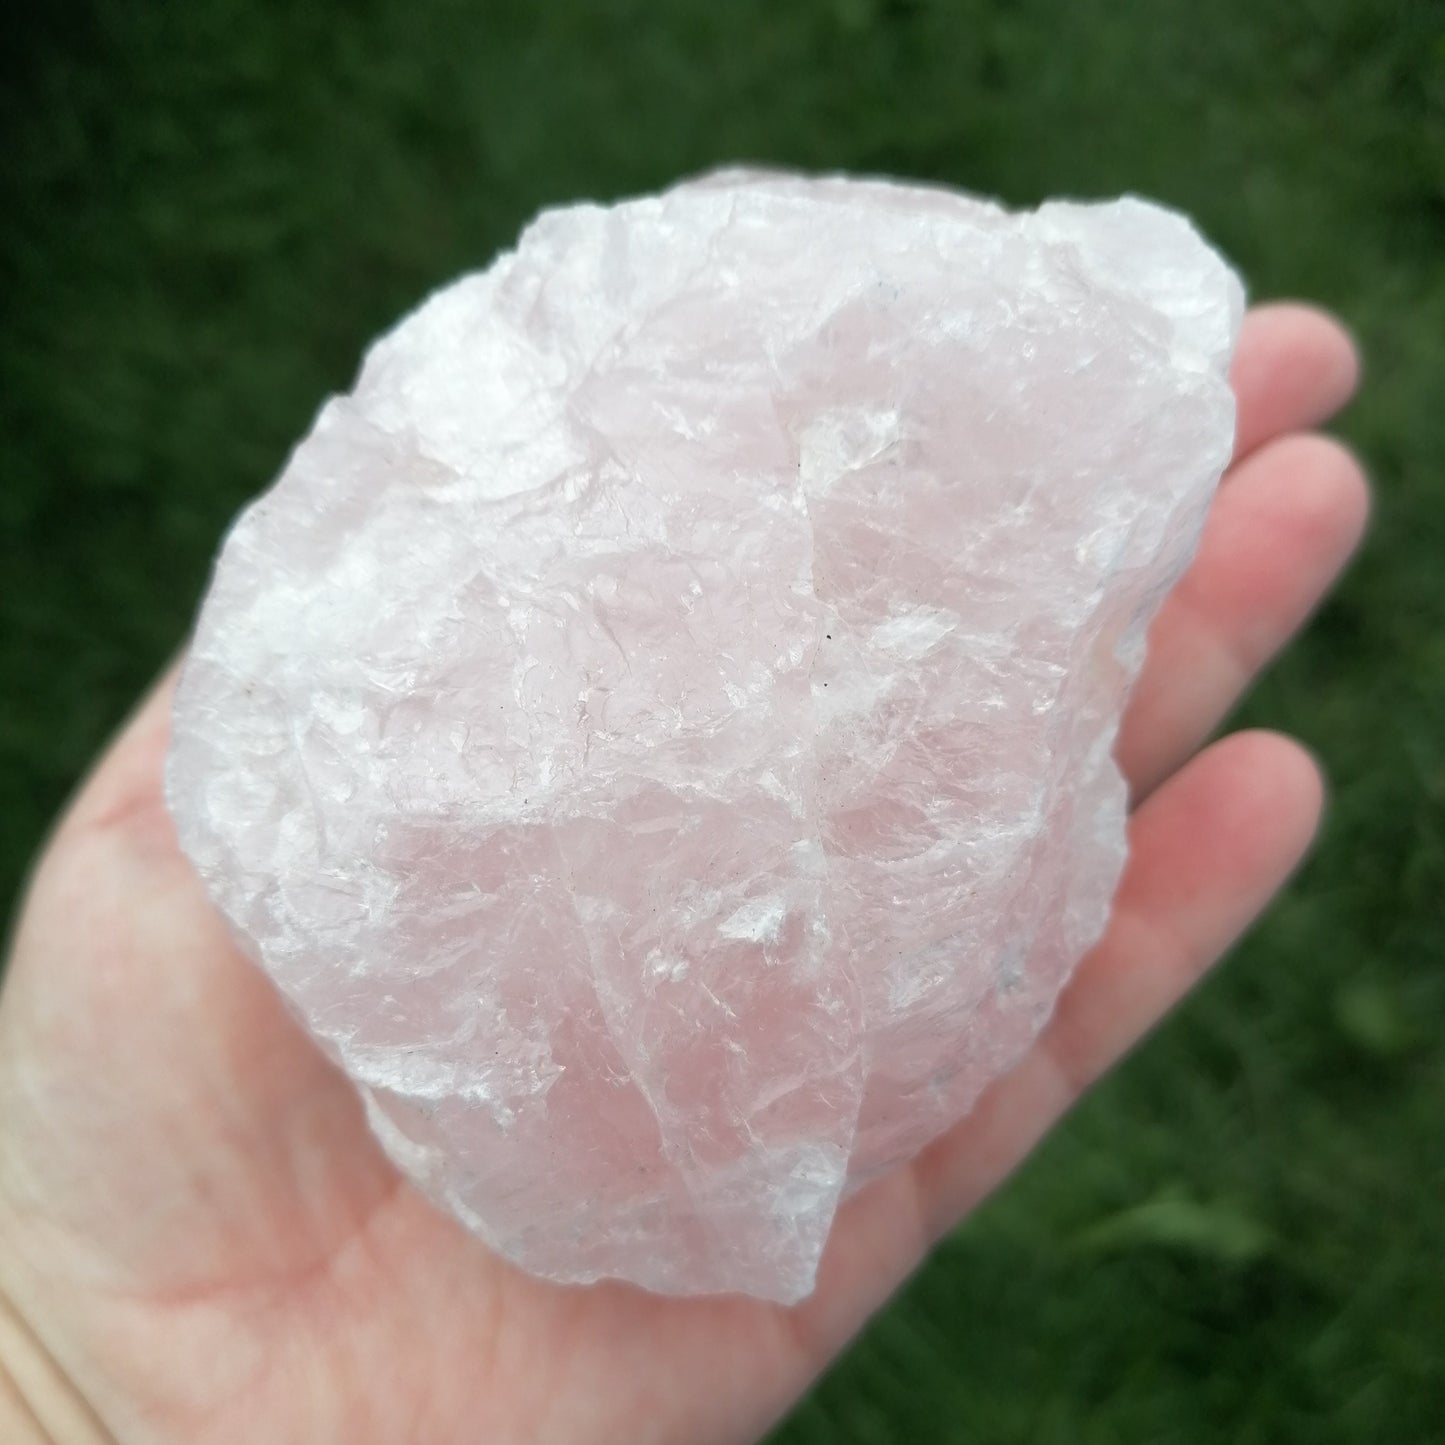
point(1207, 852)
point(1294, 367)
point(1277, 536)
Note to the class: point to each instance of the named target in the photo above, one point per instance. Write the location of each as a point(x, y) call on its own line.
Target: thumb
point(154, 1091)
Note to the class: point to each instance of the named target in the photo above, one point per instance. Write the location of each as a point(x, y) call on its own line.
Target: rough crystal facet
point(657, 730)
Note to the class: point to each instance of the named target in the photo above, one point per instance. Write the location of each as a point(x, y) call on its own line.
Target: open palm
point(200, 1242)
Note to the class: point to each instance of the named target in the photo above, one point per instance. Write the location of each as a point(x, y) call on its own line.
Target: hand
point(200, 1242)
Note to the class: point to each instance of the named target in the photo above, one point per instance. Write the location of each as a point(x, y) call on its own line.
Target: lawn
point(210, 208)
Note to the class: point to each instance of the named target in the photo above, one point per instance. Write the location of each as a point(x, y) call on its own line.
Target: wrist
point(38, 1404)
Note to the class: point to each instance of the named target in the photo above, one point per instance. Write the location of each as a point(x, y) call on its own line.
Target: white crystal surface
point(657, 730)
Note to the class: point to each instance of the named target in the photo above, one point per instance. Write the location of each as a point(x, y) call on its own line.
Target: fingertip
point(1331, 501)
point(1284, 805)
point(1337, 471)
point(1296, 364)
point(1294, 514)
point(1316, 329)
point(1239, 816)
point(1354, 498)
point(1307, 330)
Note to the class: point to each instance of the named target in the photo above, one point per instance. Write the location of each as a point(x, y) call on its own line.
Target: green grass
point(210, 208)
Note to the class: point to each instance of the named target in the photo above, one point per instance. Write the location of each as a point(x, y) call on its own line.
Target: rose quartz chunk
point(657, 730)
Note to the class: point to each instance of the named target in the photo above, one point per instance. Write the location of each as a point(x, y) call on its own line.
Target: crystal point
point(657, 730)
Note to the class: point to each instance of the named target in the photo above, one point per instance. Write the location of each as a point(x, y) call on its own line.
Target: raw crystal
point(657, 730)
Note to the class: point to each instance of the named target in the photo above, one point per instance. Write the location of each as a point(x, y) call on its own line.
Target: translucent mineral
point(656, 732)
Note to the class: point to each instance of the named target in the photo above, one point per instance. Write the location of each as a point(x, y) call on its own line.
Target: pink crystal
point(656, 731)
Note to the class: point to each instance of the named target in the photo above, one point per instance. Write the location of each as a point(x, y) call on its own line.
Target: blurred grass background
point(208, 209)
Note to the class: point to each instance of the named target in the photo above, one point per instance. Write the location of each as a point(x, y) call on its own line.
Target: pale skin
point(200, 1243)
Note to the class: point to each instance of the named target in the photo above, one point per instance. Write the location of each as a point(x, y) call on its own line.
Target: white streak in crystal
point(915, 633)
point(759, 920)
